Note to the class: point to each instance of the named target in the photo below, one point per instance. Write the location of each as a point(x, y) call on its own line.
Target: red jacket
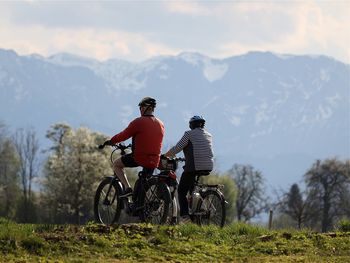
point(147, 134)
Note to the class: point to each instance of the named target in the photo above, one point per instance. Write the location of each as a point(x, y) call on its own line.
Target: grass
point(184, 243)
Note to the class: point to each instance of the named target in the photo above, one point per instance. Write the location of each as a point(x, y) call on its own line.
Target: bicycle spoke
point(155, 205)
point(107, 205)
point(212, 210)
point(152, 203)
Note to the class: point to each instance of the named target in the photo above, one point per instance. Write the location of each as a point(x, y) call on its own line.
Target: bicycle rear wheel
point(156, 203)
point(173, 211)
point(107, 204)
point(211, 209)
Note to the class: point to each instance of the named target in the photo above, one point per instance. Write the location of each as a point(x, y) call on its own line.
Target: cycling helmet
point(196, 121)
point(148, 101)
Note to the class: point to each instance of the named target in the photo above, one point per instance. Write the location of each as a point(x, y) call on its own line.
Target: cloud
point(304, 28)
point(89, 42)
point(140, 30)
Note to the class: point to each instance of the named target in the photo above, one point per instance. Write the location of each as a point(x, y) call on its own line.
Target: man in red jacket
point(147, 134)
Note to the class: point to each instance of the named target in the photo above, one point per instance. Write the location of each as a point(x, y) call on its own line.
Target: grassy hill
point(184, 243)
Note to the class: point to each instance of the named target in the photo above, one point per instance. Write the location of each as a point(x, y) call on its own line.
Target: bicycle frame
point(113, 180)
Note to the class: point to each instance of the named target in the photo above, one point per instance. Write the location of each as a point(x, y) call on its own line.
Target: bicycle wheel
point(156, 203)
point(107, 204)
point(211, 209)
point(172, 215)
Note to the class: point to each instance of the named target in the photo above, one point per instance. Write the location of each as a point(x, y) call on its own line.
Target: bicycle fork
point(106, 201)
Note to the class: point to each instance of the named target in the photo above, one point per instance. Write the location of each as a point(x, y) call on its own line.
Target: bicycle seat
point(147, 171)
point(202, 173)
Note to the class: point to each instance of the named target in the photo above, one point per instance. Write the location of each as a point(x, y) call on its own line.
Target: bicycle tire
point(109, 212)
point(211, 209)
point(173, 212)
point(155, 201)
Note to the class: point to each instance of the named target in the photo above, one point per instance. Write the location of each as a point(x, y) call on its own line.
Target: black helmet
point(148, 101)
point(196, 121)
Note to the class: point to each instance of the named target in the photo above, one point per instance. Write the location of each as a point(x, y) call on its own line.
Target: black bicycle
point(206, 203)
point(151, 199)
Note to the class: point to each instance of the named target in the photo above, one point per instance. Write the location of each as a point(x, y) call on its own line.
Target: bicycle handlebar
point(119, 146)
point(176, 159)
point(122, 147)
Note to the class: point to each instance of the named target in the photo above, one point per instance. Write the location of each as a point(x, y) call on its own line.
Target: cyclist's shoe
point(173, 221)
point(127, 192)
point(185, 219)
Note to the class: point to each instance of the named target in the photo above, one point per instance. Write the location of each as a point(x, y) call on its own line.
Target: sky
point(138, 30)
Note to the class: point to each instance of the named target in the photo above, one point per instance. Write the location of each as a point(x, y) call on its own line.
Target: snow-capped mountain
point(277, 112)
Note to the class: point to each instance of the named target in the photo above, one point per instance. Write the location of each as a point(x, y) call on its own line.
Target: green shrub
point(33, 244)
point(239, 228)
point(189, 230)
point(8, 245)
point(45, 228)
point(4, 221)
point(344, 225)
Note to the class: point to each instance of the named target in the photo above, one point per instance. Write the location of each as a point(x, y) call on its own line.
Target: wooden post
point(270, 219)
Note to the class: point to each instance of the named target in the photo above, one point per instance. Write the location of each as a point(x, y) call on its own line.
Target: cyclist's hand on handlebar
point(168, 155)
point(108, 142)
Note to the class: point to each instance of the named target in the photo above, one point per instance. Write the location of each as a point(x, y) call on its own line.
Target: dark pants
point(186, 185)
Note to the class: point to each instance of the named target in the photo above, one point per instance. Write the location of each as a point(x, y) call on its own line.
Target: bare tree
point(27, 147)
point(294, 205)
point(327, 184)
point(251, 199)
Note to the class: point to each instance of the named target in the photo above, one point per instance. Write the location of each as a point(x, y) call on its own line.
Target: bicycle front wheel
point(156, 203)
point(211, 209)
point(107, 204)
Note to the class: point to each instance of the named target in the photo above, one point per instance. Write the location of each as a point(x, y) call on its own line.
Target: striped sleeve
point(180, 145)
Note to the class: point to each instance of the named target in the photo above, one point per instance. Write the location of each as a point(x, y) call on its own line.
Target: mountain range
point(278, 113)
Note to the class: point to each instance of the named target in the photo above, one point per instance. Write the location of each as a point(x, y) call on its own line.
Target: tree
point(27, 146)
point(295, 206)
point(251, 199)
point(345, 196)
point(9, 183)
point(328, 184)
point(72, 171)
point(57, 134)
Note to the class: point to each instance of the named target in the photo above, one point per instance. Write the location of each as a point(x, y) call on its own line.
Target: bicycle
point(150, 200)
point(206, 203)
